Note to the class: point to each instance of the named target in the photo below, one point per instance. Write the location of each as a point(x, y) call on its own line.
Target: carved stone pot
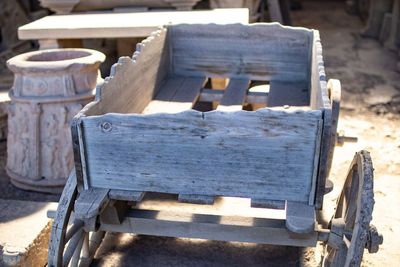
point(50, 87)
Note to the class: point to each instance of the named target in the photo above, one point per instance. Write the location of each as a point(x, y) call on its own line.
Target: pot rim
point(21, 62)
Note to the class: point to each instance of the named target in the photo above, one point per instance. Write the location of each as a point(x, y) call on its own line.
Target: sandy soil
point(370, 111)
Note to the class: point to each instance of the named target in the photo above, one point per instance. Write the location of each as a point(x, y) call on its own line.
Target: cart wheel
point(70, 244)
point(350, 227)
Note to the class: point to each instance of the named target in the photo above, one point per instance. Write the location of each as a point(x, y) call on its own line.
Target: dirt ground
point(370, 110)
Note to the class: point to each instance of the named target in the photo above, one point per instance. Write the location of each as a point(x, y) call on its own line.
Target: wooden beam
point(268, 204)
point(126, 195)
point(196, 199)
point(210, 227)
point(210, 95)
point(90, 203)
point(300, 217)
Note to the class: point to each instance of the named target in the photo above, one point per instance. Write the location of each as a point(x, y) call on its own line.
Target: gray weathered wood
point(268, 204)
point(300, 218)
point(126, 195)
point(190, 225)
point(202, 153)
point(334, 88)
point(176, 95)
point(90, 202)
point(256, 52)
point(234, 95)
point(133, 82)
point(196, 199)
point(61, 220)
point(189, 91)
point(210, 95)
point(320, 100)
point(283, 93)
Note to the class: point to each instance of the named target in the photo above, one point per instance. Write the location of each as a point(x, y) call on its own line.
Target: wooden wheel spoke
point(346, 241)
point(95, 241)
point(330, 257)
point(72, 245)
point(77, 253)
point(351, 210)
point(76, 226)
point(85, 249)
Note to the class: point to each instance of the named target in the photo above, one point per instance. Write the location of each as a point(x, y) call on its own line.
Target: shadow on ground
point(147, 251)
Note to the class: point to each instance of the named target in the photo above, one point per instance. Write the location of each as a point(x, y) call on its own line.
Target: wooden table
point(51, 29)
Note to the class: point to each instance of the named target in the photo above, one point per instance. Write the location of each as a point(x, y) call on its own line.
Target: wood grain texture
point(257, 52)
point(245, 154)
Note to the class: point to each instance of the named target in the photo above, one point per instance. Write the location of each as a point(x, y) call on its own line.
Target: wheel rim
point(353, 214)
point(70, 244)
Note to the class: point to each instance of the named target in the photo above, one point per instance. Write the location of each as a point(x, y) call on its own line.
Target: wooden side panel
point(262, 155)
point(256, 52)
point(320, 100)
point(288, 93)
point(133, 82)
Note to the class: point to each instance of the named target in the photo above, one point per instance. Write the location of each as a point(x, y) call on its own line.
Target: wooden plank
point(245, 155)
point(283, 93)
point(316, 162)
point(177, 95)
point(300, 217)
point(189, 90)
point(109, 24)
point(320, 100)
point(255, 52)
point(196, 199)
point(268, 204)
point(210, 95)
point(126, 195)
point(234, 95)
point(210, 227)
point(90, 202)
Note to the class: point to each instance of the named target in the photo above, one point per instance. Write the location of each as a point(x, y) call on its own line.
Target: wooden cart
point(151, 148)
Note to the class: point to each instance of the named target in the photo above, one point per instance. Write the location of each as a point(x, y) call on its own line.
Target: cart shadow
point(137, 250)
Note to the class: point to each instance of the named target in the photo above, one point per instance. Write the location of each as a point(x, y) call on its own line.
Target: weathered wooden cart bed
point(185, 117)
